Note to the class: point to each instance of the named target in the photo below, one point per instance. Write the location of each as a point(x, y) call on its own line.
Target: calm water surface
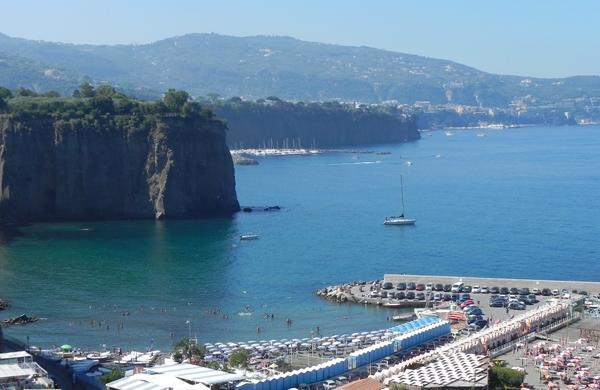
point(517, 203)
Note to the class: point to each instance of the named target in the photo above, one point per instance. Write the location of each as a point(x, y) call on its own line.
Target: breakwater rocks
point(3, 305)
point(20, 320)
point(241, 159)
point(339, 293)
point(54, 170)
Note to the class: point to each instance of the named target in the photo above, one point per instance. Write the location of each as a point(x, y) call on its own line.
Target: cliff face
point(58, 171)
point(311, 125)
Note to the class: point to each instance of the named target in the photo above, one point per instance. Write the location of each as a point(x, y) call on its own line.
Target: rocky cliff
point(322, 125)
point(174, 167)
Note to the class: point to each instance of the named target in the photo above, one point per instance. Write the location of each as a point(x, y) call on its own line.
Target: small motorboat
point(404, 317)
point(249, 236)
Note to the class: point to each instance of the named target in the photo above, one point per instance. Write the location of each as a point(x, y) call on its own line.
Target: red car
point(420, 287)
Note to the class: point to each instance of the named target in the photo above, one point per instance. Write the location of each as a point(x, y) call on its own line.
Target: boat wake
point(359, 163)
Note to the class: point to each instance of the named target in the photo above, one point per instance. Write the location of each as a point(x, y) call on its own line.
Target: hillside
point(326, 125)
point(292, 69)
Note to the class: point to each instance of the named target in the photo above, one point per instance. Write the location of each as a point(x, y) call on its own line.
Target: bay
point(515, 203)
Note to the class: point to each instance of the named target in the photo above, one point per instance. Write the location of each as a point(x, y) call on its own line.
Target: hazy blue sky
point(537, 38)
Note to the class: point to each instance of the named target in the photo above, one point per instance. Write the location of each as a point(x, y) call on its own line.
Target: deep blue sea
point(516, 203)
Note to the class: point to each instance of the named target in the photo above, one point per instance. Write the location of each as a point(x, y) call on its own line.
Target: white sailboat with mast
point(401, 219)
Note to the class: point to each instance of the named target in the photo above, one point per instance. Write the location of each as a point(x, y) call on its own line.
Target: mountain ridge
point(293, 69)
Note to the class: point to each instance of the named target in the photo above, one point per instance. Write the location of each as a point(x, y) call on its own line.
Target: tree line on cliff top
point(100, 107)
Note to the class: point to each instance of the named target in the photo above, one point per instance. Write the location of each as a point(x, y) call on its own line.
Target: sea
point(512, 203)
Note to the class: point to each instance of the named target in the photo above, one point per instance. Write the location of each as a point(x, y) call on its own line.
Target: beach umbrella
point(66, 347)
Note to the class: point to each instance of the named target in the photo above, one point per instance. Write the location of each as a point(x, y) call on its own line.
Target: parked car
point(401, 286)
point(410, 295)
point(420, 287)
point(400, 295)
point(476, 289)
point(532, 298)
point(478, 324)
point(494, 290)
point(464, 297)
point(383, 294)
point(387, 286)
point(447, 297)
point(438, 287)
point(497, 303)
point(411, 285)
point(420, 296)
point(466, 303)
point(329, 385)
point(513, 290)
point(437, 296)
point(474, 310)
point(484, 290)
point(524, 291)
point(555, 292)
point(429, 287)
point(515, 305)
point(504, 290)
point(341, 380)
point(466, 289)
point(546, 292)
point(536, 291)
point(447, 287)
point(456, 287)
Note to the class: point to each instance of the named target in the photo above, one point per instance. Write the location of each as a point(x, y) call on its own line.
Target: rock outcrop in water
point(165, 165)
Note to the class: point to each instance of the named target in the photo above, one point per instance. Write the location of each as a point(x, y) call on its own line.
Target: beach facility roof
point(447, 371)
point(152, 382)
point(16, 371)
point(14, 355)
point(175, 376)
point(195, 374)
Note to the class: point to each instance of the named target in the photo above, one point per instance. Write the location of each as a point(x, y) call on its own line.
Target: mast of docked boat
point(402, 193)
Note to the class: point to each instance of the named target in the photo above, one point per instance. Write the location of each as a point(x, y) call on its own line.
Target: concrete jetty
point(591, 287)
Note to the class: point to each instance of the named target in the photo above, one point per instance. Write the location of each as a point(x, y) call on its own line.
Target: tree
point(5, 93)
point(175, 99)
point(239, 358)
point(52, 94)
point(105, 90)
point(504, 377)
point(86, 90)
point(188, 349)
point(3, 104)
point(191, 109)
point(26, 92)
point(112, 376)
point(213, 96)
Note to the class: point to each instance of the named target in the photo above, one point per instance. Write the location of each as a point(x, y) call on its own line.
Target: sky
point(545, 38)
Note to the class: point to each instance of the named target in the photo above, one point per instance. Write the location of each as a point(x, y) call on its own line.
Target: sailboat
point(401, 219)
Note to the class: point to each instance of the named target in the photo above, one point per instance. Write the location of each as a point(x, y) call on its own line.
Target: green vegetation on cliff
point(273, 122)
point(104, 155)
point(102, 106)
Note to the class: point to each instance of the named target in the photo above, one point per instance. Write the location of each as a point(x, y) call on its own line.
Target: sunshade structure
point(404, 336)
point(175, 376)
point(66, 348)
point(447, 371)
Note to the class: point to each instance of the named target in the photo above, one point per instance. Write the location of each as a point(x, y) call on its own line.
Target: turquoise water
point(517, 203)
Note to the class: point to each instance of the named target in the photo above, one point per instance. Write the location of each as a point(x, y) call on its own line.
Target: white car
point(536, 291)
point(329, 385)
point(476, 289)
point(485, 290)
point(429, 287)
point(457, 286)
